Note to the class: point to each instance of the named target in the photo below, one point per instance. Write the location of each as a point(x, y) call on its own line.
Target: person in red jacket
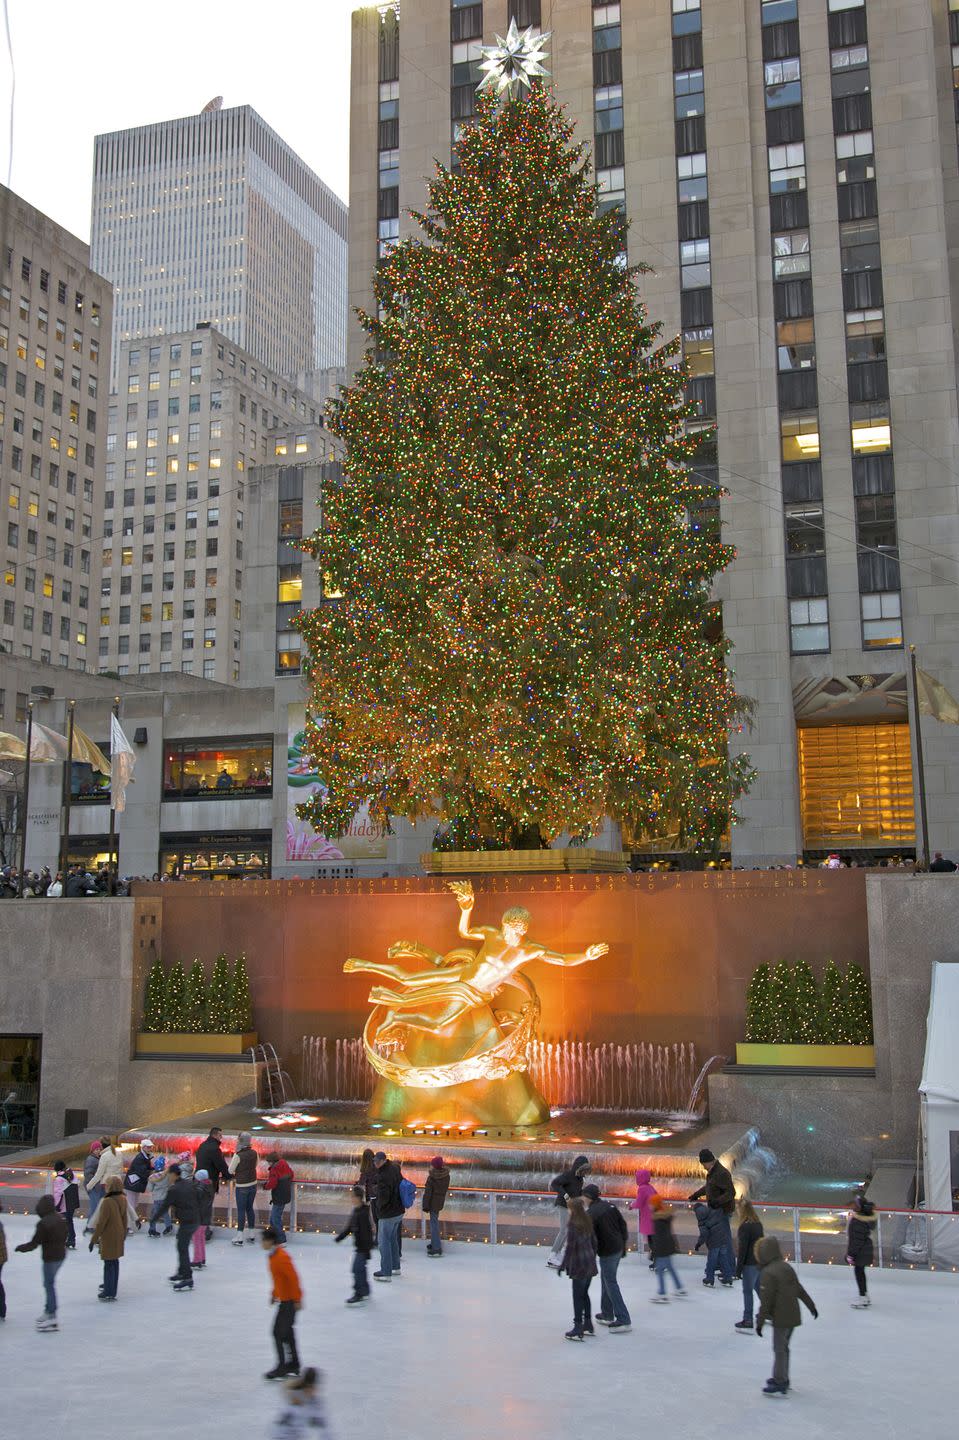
point(287, 1296)
point(279, 1184)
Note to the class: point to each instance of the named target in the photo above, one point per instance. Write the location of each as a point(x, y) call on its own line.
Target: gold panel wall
point(855, 784)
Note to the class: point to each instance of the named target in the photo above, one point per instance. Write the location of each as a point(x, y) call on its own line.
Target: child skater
point(360, 1226)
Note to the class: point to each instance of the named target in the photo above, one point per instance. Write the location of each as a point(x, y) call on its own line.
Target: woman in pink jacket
point(645, 1194)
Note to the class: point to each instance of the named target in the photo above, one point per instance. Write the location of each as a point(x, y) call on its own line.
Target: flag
point(11, 748)
point(87, 753)
point(934, 699)
point(122, 761)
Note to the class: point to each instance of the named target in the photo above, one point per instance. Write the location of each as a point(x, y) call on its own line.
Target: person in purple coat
point(645, 1195)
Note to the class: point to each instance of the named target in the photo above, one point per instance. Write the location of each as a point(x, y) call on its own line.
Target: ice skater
point(3, 1261)
point(181, 1200)
point(287, 1296)
point(66, 1197)
point(779, 1295)
point(304, 1411)
point(612, 1240)
point(720, 1196)
point(109, 1234)
point(435, 1192)
point(204, 1208)
point(566, 1186)
point(713, 1229)
point(747, 1267)
point(360, 1226)
point(663, 1246)
point(50, 1238)
point(159, 1185)
point(279, 1186)
point(859, 1249)
point(579, 1262)
point(645, 1195)
point(94, 1191)
point(242, 1167)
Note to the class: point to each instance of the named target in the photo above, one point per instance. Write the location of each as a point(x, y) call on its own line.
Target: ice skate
point(863, 1303)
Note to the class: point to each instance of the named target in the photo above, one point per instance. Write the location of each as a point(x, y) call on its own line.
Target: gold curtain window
point(855, 785)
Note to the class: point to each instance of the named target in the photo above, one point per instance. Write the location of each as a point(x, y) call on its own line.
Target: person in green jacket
point(779, 1295)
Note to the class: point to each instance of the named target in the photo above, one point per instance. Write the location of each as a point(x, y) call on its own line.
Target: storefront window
point(19, 1090)
point(208, 769)
point(215, 856)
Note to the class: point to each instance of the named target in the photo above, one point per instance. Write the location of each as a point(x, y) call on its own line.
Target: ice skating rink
point(467, 1346)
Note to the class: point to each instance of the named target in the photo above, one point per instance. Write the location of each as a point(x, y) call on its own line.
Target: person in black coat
point(360, 1226)
point(435, 1192)
point(181, 1199)
point(567, 1185)
point(137, 1178)
point(612, 1238)
point(389, 1216)
point(747, 1266)
point(210, 1157)
point(720, 1195)
point(859, 1248)
point(50, 1237)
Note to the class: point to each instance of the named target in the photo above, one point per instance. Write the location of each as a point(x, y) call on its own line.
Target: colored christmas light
point(525, 641)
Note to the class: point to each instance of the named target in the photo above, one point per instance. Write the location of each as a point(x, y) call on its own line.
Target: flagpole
point(26, 798)
point(114, 848)
point(920, 767)
point(65, 799)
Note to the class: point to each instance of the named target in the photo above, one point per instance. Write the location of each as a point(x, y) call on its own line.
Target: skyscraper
point(214, 218)
point(788, 169)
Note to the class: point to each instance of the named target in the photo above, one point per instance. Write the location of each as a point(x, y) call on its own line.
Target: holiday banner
point(363, 840)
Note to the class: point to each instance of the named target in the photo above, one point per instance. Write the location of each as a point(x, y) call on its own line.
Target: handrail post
point(797, 1240)
point(492, 1218)
point(293, 1208)
point(879, 1237)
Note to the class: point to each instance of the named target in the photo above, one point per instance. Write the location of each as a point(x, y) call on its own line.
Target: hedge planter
point(577, 860)
point(151, 1043)
point(808, 1057)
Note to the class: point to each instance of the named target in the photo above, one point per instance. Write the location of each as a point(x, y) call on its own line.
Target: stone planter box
point(150, 1043)
point(576, 860)
point(812, 1057)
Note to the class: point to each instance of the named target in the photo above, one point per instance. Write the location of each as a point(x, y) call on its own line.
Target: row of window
point(36, 274)
point(27, 615)
point(125, 555)
point(387, 141)
point(187, 580)
point(65, 553)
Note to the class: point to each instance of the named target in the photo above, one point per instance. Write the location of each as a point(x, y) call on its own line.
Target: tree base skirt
point(150, 1043)
point(815, 1057)
point(576, 860)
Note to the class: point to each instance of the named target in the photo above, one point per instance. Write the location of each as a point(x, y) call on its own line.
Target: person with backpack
point(242, 1167)
point(579, 1263)
point(747, 1267)
point(109, 1235)
point(66, 1197)
point(779, 1295)
point(159, 1184)
point(50, 1238)
point(859, 1249)
point(389, 1210)
point(566, 1186)
point(279, 1186)
point(137, 1178)
point(612, 1238)
point(407, 1196)
point(360, 1226)
point(204, 1210)
point(663, 1246)
point(435, 1192)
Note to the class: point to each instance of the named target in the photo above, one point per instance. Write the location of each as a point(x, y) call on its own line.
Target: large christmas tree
point(524, 641)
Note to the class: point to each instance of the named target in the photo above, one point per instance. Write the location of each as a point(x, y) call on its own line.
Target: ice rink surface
point(464, 1347)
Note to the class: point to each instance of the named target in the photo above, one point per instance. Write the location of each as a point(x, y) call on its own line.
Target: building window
point(881, 621)
point(809, 626)
point(800, 436)
point(289, 588)
point(691, 177)
point(855, 785)
point(694, 264)
point(870, 428)
point(791, 254)
point(787, 167)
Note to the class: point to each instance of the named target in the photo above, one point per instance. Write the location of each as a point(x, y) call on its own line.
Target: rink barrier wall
point(808, 1233)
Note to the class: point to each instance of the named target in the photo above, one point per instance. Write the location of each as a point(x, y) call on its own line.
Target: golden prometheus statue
point(444, 1053)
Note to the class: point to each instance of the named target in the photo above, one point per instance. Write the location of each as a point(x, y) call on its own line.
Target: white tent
point(939, 1100)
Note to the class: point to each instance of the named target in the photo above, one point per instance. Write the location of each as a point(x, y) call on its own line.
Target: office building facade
point(789, 170)
point(191, 414)
point(212, 217)
point(55, 316)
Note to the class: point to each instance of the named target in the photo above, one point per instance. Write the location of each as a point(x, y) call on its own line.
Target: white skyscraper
point(214, 218)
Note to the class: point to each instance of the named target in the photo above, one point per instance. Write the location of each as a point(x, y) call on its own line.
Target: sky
point(87, 66)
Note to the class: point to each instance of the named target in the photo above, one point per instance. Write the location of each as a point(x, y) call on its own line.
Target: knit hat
point(437, 1162)
point(146, 1143)
point(380, 1155)
point(706, 1157)
point(592, 1191)
point(201, 1175)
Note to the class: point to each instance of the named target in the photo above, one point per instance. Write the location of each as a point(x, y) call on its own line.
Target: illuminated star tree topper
point(515, 61)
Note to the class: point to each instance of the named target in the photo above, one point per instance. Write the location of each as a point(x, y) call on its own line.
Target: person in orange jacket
point(287, 1296)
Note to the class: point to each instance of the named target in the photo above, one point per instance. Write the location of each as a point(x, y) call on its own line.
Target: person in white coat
point(111, 1165)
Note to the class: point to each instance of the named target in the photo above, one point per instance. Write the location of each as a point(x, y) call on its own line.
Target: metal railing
point(905, 1239)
